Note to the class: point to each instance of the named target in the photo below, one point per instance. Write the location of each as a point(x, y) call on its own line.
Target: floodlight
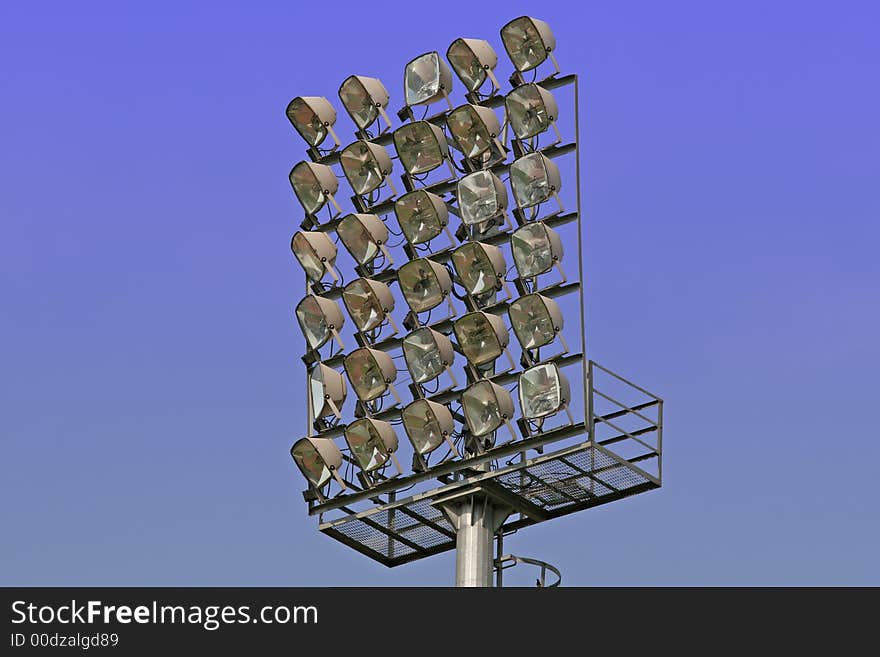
point(424, 284)
point(474, 129)
point(534, 179)
point(319, 318)
point(543, 391)
point(327, 391)
point(421, 215)
point(486, 406)
point(314, 184)
point(365, 99)
point(426, 79)
point(480, 267)
point(427, 425)
point(421, 146)
point(536, 320)
point(530, 109)
point(366, 165)
point(371, 372)
point(372, 443)
point(364, 236)
point(428, 354)
point(316, 252)
point(481, 197)
point(473, 60)
point(318, 459)
point(528, 42)
point(313, 117)
point(536, 249)
point(481, 336)
point(368, 302)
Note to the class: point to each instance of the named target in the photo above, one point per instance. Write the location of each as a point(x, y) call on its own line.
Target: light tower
point(458, 404)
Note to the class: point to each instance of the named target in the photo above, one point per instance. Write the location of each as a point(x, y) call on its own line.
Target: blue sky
point(151, 382)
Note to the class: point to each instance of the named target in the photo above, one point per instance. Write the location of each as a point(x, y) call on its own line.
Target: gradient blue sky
point(150, 382)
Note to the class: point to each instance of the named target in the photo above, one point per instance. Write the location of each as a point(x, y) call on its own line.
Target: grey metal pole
point(476, 518)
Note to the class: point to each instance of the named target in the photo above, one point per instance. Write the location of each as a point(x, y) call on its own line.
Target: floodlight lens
point(423, 356)
point(308, 188)
point(418, 218)
point(469, 131)
point(481, 409)
point(307, 256)
point(530, 180)
point(528, 114)
point(363, 305)
point(422, 426)
point(477, 338)
point(361, 168)
point(306, 121)
point(532, 322)
point(326, 393)
point(466, 64)
point(366, 444)
point(419, 285)
point(523, 44)
point(313, 322)
point(532, 250)
point(357, 239)
point(540, 391)
point(365, 374)
point(358, 102)
point(311, 463)
point(478, 199)
point(474, 268)
point(422, 79)
point(418, 147)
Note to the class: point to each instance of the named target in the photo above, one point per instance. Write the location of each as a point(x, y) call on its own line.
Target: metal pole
point(476, 518)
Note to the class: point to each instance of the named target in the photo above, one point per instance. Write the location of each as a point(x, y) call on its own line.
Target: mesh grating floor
point(557, 485)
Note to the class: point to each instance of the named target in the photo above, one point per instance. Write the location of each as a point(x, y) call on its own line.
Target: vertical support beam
point(476, 518)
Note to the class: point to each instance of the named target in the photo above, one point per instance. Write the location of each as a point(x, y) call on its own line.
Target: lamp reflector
point(362, 98)
point(421, 146)
point(481, 196)
point(528, 42)
point(426, 79)
point(421, 215)
point(486, 406)
point(327, 389)
point(534, 179)
point(531, 109)
point(427, 425)
point(312, 117)
point(536, 249)
point(543, 391)
point(368, 302)
point(473, 128)
point(365, 165)
point(424, 284)
point(427, 353)
point(471, 59)
point(372, 442)
point(363, 236)
point(318, 318)
point(314, 251)
point(317, 459)
point(314, 184)
point(481, 336)
point(480, 267)
point(370, 372)
point(535, 319)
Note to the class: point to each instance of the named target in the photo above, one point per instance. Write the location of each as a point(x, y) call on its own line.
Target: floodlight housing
point(366, 165)
point(427, 425)
point(318, 459)
point(534, 179)
point(535, 319)
point(370, 372)
point(480, 267)
point(372, 442)
point(531, 110)
point(313, 118)
point(486, 406)
point(543, 391)
point(365, 100)
point(473, 60)
point(481, 196)
point(426, 79)
point(327, 391)
point(368, 302)
point(425, 284)
point(421, 215)
point(536, 249)
point(482, 337)
point(315, 252)
point(428, 354)
point(421, 146)
point(528, 42)
point(314, 184)
point(364, 236)
point(319, 319)
point(474, 129)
